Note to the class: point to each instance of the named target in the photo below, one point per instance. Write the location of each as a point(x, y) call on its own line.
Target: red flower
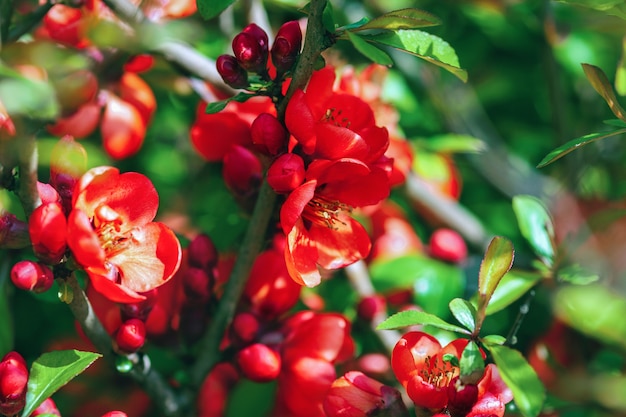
point(332, 125)
point(315, 217)
point(112, 236)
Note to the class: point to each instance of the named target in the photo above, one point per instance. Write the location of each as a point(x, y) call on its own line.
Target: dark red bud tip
point(242, 171)
point(447, 245)
point(231, 72)
point(269, 134)
point(202, 252)
point(286, 173)
point(259, 36)
point(249, 53)
point(286, 47)
point(130, 336)
point(259, 363)
point(32, 276)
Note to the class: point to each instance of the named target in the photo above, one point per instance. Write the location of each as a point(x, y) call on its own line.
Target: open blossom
point(316, 217)
point(112, 236)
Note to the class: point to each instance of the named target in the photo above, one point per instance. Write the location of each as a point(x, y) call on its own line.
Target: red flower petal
point(300, 121)
point(301, 257)
point(84, 243)
point(321, 337)
point(294, 205)
point(341, 246)
point(212, 135)
point(111, 290)
point(334, 142)
point(409, 354)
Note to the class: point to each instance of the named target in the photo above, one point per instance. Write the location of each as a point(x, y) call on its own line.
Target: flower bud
point(202, 252)
point(130, 336)
point(13, 380)
point(32, 276)
point(371, 306)
point(46, 407)
point(48, 232)
point(447, 245)
point(197, 284)
point(115, 414)
point(47, 193)
point(269, 134)
point(242, 170)
point(259, 363)
point(140, 310)
point(286, 173)
point(286, 47)
point(250, 52)
point(461, 398)
point(245, 327)
point(13, 232)
point(259, 35)
point(232, 73)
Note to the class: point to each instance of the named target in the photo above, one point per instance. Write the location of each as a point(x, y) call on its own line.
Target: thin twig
point(511, 338)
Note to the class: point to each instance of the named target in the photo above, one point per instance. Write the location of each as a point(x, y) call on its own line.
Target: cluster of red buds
point(251, 54)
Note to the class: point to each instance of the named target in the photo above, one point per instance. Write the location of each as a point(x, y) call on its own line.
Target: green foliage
point(528, 391)
point(472, 364)
point(536, 226)
point(496, 263)
point(51, 371)
point(413, 317)
point(513, 285)
point(251, 399)
point(464, 312)
point(369, 51)
point(400, 19)
point(217, 106)
point(6, 324)
point(574, 144)
point(212, 8)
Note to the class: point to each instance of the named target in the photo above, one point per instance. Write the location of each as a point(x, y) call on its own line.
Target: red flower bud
point(269, 134)
point(197, 284)
point(48, 232)
point(46, 407)
point(286, 173)
point(242, 170)
point(286, 47)
point(245, 327)
point(259, 363)
point(259, 35)
point(461, 398)
point(32, 276)
point(232, 73)
point(371, 306)
point(448, 245)
point(115, 414)
point(13, 232)
point(131, 336)
point(13, 380)
point(47, 193)
point(140, 310)
point(202, 253)
point(251, 52)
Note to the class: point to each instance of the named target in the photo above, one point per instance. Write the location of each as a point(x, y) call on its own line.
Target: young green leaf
point(577, 275)
point(574, 144)
point(620, 73)
point(528, 391)
point(211, 8)
point(401, 19)
point(496, 263)
point(615, 122)
point(472, 364)
point(602, 85)
point(513, 285)
point(452, 143)
point(218, 106)
point(464, 312)
point(536, 226)
point(370, 51)
point(413, 317)
point(493, 339)
point(51, 371)
point(423, 45)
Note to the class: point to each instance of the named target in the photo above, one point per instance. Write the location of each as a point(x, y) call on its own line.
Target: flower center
point(325, 212)
point(333, 116)
point(108, 226)
point(437, 374)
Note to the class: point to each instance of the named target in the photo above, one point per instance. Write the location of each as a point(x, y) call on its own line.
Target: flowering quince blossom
point(430, 381)
point(315, 217)
point(112, 236)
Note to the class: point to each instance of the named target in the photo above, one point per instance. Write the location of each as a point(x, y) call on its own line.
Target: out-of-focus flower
point(13, 380)
point(112, 236)
point(48, 406)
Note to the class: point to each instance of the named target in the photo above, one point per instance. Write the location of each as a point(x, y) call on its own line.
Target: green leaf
point(574, 144)
point(513, 285)
point(370, 51)
point(615, 122)
point(434, 283)
point(472, 364)
point(31, 98)
point(536, 226)
point(528, 392)
point(218, 106)
point(602, 85)
point(497, 262)
point(577, 275)
point(464, 312)
point(620, 73)
point(493, 339)
point(401, 19)
point(211, 8)
point(452, 143)
point(413, 317)
point(423, 45)
point(51, 371)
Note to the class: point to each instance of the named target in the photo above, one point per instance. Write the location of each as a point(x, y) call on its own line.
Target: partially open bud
point(461, 398)
point(259, 363)
point(250, 49)
point(357, 395)
point(286, 47)
point(232, 73)
point(46, 407)
point(48, 232)
point(286, 173)
point(202, 252)
point(13, 380)
point(13, 232)
point(131, 336)
point(32, 276)
point(242, 170)
point(269, 134)
point(448, 245)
